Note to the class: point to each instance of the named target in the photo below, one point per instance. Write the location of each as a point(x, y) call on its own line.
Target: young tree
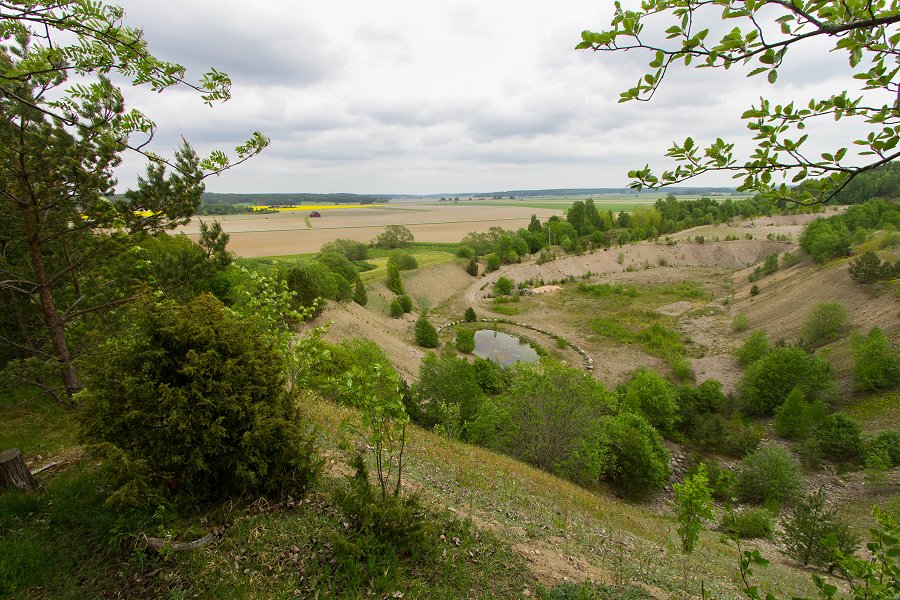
point(394, 236)
point(869, 268)
point(426, 334)
point(472, 267)
point(693, 505)
point(469, 315)
point(394, 281)
point(760, 35)
point(876, 363)
point(824, 324)
point(58, 147)
point(808, 526)
point(359, 293)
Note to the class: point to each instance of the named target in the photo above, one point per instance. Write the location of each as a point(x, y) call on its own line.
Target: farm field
point(290, 232)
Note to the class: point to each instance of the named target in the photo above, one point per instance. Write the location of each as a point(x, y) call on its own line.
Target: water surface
point(503, 348)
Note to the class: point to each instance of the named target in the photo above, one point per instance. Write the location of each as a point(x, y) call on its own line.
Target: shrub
point(469, 315)
point(403, 260)
point(768, 474)
point(639, 461)
point(826, 323)
point(754, 522)
point(768, 381)
point(650, 395)
point(503, 286)
point(825, 239)
point(722, 483)
point(340, 265)
point(491, 263)
point(359, 293)
point(311, 280)
point(869, 268)
point(394, 281)
point(465, 252)
point(754, 348)
point(472, 267)
point(693, 505)
point(796, 419)
point(876, 364)
point(465, 340)
point(447, 388)
point(740, 439)
point(344, 288)
point(394, 236)
point(396, 308)
point(808, 526)
point(887, 442)
point(349, 248)
point(544, 415)
point(192, 401)
point(754, 290)
point(426, 334)
point(839, 437)
point(740, 323)
point(406, 303)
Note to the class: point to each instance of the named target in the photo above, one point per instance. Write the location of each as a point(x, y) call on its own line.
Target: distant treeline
point(288, 199)
point(677, 191)
point(883, 182)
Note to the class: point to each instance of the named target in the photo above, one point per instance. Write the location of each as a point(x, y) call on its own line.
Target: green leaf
point(773, 76)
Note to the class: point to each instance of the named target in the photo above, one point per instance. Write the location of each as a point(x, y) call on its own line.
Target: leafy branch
point(766, 31)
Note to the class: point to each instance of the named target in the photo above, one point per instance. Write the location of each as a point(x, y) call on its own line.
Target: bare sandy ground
point(287, 232)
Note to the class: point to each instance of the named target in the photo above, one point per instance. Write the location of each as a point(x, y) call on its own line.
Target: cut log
point(14, 473)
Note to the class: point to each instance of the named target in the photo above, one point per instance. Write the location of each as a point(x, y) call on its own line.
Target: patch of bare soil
point(786, 297)
point(431, 286)
point(638, 257)
point(351, 320)
point(545, 289)
point(676, 309)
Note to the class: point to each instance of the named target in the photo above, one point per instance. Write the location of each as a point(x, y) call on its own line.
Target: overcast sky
point(404, 96)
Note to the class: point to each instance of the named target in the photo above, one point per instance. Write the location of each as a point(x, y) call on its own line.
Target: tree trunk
point(55, 326)
point(14, 473)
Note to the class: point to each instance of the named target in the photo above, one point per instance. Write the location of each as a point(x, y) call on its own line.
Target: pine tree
point(394, 281)
point(359, 293)
point(426, 334)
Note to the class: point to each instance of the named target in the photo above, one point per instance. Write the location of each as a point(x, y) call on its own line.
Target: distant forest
point(883, 182)
point(285, 199)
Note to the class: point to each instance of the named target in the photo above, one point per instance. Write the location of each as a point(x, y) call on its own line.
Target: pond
point(503, 348)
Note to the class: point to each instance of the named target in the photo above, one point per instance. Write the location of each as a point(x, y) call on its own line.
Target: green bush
point(426, 334)
point(396, 308)
point(768, 474)
point(807, 528)
point(192, 401)
point(544, 416)
point(339, 264)
point(465, 340)
point(722, 482)
point(359, 293)
point(754, 522)
point(349, 248)
point(876, 364)
point(406, 303)
point(465, 252)
point(796, 419)
point(825, 239)
point(868, 268)
point(740, 323)
point(394, 281)
point(469, 315)
point(639, 461)
point(768, 381)
point(754, 348)
point(310, 280)
point(650, 395)
point(754, 290)
point(447, 387)
point(887, 442)
point(491, 263)
point(839, 437)
point(472, 267)
point(503, 286)
point(403, 260)
point(825, 323)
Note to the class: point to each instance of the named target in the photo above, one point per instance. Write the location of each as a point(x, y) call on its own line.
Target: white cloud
point(413, 97)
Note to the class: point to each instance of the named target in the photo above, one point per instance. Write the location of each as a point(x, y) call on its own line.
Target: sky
point(413, 97)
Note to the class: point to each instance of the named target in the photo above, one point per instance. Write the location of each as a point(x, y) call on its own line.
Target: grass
point(62, 542)
point(875, 412)
point(308, 223)
point(35, 423)
point(423, 257)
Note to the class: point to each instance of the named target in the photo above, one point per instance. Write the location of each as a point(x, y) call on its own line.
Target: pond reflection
point(503, 348)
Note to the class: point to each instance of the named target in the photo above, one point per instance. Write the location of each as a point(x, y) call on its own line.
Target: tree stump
point(14, 473)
